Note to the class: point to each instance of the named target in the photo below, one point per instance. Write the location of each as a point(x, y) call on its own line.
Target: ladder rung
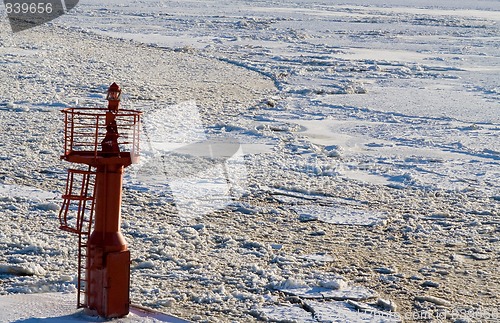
point(77, 197)
point(69, 229)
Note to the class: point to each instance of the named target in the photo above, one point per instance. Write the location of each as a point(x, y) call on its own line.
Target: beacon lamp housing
point(114, 93)
point(113, 97)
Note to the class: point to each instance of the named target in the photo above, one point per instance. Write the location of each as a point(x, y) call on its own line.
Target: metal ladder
point(76, 216)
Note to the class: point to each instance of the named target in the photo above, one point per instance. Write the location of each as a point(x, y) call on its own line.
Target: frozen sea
point(302, 161)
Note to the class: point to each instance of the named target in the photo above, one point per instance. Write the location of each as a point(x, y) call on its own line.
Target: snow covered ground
point(303, 161)
point(60, 308)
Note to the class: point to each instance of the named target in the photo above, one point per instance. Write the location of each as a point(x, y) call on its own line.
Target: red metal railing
point(85, 129)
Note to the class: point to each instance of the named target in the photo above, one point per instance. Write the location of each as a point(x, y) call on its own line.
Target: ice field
point(302, 161)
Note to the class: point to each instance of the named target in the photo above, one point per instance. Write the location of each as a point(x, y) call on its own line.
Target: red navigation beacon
point(102, 142)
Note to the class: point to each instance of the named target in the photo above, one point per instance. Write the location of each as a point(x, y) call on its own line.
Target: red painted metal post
point(108, 268)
